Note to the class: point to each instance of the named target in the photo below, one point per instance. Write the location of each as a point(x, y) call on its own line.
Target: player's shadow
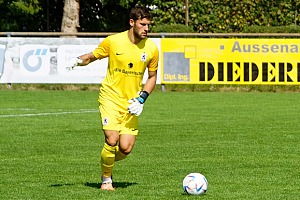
point(115, 184)
point(60, 185)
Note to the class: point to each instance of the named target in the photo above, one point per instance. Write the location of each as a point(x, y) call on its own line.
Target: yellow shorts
point(124, 122)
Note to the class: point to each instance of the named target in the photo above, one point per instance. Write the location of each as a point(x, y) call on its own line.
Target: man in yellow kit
point(121, 95)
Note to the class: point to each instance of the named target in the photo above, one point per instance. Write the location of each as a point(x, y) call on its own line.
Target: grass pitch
point(246, 144)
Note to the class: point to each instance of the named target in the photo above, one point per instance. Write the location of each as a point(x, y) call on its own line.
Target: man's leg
point(119, 154)
point(126, 143)
point(108, 158)
point(107, 161)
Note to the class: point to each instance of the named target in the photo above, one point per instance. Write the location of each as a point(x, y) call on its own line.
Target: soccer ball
point(195, 184)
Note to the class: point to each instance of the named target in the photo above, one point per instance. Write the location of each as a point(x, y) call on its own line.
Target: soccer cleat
point(107, 186)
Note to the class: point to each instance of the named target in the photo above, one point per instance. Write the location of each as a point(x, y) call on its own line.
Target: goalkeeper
point(121, 96)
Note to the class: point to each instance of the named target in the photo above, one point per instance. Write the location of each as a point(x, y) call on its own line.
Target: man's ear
point(131, 22)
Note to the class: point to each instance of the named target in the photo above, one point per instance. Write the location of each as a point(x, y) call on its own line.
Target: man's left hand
point(135, 107)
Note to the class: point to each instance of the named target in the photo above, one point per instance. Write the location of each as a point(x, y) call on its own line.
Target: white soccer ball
point(195, 184)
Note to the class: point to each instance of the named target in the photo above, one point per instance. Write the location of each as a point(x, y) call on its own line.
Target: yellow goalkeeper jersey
point(126, 66)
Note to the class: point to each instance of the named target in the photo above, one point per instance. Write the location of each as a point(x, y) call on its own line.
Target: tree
point(112, 15)
point(70, 20)
point(104, 15)
point(15, 14)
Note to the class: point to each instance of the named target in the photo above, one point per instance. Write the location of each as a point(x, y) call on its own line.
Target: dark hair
point(139, 12)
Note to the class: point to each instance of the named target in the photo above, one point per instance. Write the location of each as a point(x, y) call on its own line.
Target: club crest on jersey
point(105, 121)
point(143, 57)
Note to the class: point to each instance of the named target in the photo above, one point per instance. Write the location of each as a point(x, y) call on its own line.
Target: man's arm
point(82, 60)
point(87, 59)
point(136, 104)
point(151, 81)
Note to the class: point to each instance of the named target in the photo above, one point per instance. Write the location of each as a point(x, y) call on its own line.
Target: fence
point(198, 35)
point(185, 58)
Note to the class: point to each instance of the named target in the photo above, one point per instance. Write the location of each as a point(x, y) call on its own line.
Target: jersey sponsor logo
point(128, 72)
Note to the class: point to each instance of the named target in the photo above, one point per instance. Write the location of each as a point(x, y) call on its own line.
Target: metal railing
point(161, 35)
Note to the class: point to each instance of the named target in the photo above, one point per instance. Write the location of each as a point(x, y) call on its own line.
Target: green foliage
point(172, 28)
point(19, 15)
point(234, 15)
point(168, 12)
point(112, 15)
point(29, 7)
point(272, 29)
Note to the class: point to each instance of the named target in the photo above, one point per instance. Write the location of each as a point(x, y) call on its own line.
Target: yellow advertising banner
point(230, 61)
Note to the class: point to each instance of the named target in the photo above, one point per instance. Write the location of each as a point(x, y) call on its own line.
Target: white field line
point(17, 109)
point(49, 113)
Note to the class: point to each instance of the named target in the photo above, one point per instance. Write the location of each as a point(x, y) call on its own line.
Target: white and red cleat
point(107, 186)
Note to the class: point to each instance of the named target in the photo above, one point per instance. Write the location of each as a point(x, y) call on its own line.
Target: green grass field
point(247, 144)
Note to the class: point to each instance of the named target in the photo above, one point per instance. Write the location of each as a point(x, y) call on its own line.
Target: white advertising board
point(44, 60)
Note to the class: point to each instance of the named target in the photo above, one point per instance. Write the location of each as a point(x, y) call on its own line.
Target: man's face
point(140, 27)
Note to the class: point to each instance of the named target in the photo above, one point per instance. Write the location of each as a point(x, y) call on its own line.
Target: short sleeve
point(102, 51)
point(153, 64)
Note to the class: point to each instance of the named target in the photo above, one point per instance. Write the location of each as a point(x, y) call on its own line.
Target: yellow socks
point(119, 154)
point(109, 155)
point(107, 160)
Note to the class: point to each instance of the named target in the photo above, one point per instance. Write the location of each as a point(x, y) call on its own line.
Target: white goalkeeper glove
point(135, 107)
point(74, 62)
point(137, 104)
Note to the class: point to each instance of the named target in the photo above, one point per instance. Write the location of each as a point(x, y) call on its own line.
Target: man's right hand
point(74, 62)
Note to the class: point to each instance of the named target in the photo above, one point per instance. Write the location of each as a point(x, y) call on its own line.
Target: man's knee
point(111, 137)
point(126, 148)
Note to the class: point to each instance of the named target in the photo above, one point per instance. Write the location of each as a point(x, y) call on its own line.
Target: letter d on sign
point(208, 71)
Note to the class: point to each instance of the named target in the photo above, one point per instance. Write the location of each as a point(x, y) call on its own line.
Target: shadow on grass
point(115, 184)
point(60, 185)
point(186, 194)
point(96, 185)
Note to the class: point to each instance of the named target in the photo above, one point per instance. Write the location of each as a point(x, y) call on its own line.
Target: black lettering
point(273, 79)
point(265, 72)
point(201, 71)
point(254, 70)
point(236, 72)
point(229, 71)
point(207, 71)
point(220, 71)
point(211, 71)
point(298, 72)
point(246, 71)
point(281, 72)
point(289, 68)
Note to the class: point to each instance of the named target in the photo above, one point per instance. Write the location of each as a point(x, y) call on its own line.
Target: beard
point(139, 35)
